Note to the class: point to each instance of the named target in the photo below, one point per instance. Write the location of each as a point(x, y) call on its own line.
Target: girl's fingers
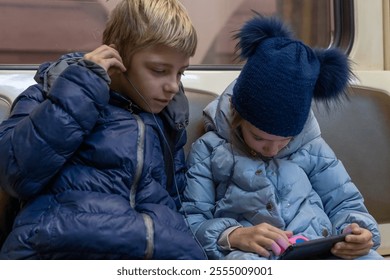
point(276, 248)
point(261, 251)
point(282, 243)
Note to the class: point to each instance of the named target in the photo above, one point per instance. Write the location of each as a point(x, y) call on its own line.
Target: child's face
point(155, 74)
point(267, 145)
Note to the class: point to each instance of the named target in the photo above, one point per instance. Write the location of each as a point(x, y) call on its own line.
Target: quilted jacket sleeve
point(343, 203)
point(200, 197)
point(42, 133)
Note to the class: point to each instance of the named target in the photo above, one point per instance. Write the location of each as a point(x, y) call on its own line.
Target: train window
point(38, 30)
point(313, 22)
point(33, 31)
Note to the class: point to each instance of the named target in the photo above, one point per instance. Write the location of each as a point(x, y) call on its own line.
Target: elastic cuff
point(223, 240)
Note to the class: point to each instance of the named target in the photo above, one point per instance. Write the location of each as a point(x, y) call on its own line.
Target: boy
point(95, 147)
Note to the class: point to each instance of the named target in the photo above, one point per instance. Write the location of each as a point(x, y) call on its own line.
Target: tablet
point(312, 249)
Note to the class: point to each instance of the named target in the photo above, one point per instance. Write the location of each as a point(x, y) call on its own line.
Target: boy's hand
point(260, 239)
point(108, 58)
point(356, 244)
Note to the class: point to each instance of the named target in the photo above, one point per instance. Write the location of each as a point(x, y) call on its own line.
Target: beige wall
point(207, 27)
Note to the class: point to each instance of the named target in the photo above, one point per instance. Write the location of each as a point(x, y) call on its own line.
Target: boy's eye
point(159, 71)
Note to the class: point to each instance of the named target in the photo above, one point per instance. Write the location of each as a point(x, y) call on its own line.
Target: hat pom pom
point(334, 76)
point(258, 29)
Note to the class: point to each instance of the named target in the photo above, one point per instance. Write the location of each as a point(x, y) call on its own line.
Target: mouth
point(266, 157)
point(163, 102)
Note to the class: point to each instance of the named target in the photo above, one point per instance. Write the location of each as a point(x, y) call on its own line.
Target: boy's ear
point(112, 46)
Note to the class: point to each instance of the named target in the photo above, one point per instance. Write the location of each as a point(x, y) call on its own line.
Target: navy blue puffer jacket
point(92, 170)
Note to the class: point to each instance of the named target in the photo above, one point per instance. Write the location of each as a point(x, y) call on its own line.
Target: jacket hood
point(48, 72)
point(218, 116)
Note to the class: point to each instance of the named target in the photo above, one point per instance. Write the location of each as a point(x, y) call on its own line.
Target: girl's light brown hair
point(137, 24)
point(236, 134)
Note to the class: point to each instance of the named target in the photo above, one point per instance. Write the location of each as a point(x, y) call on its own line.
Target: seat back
point(5, 107)
point(197, 100)
point(8, 205)
point(359, 134)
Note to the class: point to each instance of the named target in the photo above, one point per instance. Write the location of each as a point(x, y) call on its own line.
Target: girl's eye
point(257, 138)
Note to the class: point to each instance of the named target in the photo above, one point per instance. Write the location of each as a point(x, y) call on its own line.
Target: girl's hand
point(108, 58)
point(356, 244)
point(260, 239)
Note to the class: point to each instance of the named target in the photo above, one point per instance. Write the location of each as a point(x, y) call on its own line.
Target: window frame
point(343, 37)
point(344, 21)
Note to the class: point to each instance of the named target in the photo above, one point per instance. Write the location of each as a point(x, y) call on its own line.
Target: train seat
point(5, 107)
point(198, 100)
point(359, 133)
point(8, 205)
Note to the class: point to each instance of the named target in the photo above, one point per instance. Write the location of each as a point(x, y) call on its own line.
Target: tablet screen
point(312, 249)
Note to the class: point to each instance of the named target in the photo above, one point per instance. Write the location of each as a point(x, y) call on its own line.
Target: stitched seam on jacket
point(140, 159)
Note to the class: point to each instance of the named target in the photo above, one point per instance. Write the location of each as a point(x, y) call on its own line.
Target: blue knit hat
point(275, 88)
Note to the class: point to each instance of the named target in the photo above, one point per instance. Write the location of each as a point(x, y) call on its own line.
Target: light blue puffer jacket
point(305, 188)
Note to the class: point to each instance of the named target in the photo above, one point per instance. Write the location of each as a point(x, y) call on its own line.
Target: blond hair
point(137, 24)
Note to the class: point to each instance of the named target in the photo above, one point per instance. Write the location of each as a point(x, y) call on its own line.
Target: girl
point(262, 173)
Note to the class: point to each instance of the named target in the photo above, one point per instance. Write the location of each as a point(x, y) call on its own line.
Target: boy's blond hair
point(137, 24)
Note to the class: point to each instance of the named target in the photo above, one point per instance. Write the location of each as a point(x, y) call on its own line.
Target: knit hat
point(275, 88)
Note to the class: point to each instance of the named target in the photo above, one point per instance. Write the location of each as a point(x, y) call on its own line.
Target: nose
point(271, 149)
point(172, 85)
